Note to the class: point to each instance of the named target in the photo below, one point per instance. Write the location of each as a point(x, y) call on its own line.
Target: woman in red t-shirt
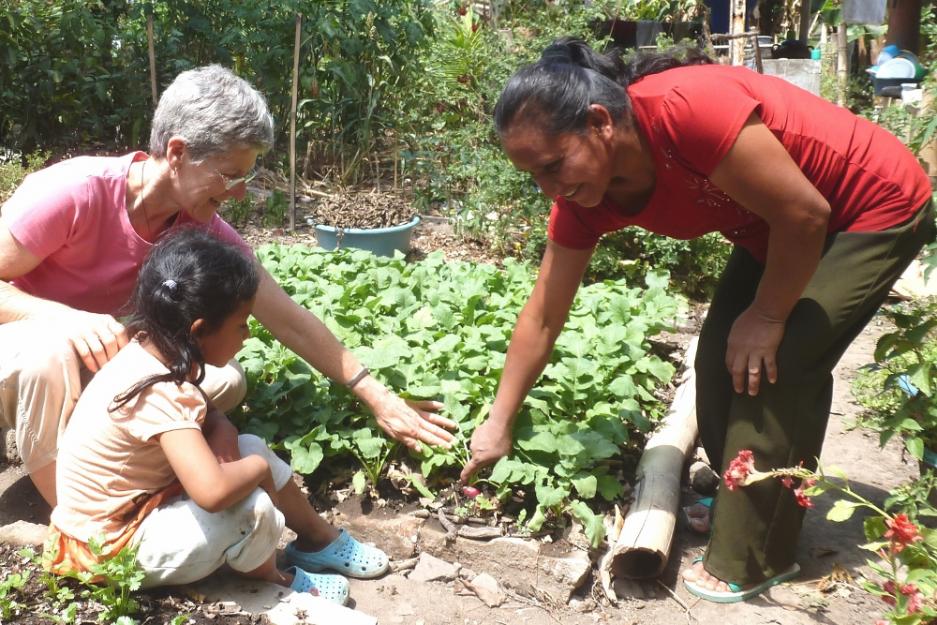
point(825, 210)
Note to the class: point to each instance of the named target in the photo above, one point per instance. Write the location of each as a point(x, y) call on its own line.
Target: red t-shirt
point(691, 117)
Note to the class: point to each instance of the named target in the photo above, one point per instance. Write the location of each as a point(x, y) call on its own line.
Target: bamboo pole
point(737, 27)
point(152, 54)
point(642, 548)
point(842, 63)
point(296, 42)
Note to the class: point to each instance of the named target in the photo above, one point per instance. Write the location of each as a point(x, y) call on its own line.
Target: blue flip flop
point(344, 555)
point(736, 593)
point(331, 587)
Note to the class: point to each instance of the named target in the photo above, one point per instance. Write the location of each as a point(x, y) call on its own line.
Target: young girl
point(136, 468)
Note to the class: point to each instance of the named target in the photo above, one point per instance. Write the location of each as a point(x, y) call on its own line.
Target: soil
point(826, 592)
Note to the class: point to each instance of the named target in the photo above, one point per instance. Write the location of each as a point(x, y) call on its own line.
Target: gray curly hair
point(214, 111)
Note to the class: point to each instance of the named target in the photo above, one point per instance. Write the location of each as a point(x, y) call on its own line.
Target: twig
point(403, 565)
point(686, 609)
point(531, 602)
point(451, 530)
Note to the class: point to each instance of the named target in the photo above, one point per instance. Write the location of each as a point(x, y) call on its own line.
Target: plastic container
point(378, 241)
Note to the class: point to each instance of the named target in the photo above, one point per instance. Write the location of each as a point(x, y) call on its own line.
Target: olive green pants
point(755, 529)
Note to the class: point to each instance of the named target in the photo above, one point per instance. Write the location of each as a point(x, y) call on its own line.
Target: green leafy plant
point(906, 402)
point(9, 606)
point(112, 582)
point(13, 170)
point(439, 330)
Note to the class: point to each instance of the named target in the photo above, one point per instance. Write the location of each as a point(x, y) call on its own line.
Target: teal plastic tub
point(378, 241)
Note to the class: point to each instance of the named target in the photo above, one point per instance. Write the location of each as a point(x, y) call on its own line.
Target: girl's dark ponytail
point(188, 275)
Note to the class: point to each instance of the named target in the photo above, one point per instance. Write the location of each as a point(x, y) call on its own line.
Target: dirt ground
point(825, 548)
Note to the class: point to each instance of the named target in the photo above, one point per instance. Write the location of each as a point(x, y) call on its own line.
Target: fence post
point(151, 51)
point(296, 42)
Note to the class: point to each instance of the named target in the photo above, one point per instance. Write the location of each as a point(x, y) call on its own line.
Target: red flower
point(739, 469)
point(475, 27)
point(889, 587)
point(787, 481)
point(802, 499)
point(902, 532)
point(462, 10)
point(915, 598)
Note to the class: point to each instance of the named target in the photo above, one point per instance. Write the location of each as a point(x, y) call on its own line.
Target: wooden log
point(643, 545)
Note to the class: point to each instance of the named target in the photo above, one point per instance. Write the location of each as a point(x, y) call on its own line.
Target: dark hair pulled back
point(188, 275)
point(557, 90)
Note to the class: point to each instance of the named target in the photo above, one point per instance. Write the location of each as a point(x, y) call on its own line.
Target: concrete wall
point(805, 73)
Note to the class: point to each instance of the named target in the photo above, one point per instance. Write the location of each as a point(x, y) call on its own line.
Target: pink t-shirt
point(111, 463)
point(73, 216)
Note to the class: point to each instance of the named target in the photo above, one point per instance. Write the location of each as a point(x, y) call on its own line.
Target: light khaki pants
point(180, 542)
point(41, 378)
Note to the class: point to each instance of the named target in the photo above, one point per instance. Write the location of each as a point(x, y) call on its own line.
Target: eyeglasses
point(230, 183)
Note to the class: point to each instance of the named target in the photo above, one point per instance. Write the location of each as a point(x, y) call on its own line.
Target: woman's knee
point(225, 386)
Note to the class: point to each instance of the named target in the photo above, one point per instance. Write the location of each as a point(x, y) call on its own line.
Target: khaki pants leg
point(225, 386)
point(40, 381)
point(180, 542)
point(755, 529)
point(41, 378)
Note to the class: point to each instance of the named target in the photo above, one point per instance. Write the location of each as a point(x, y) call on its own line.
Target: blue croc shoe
point(344, 555)
point(334, 588)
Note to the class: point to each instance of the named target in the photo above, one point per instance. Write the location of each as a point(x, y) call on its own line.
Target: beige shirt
point(110, 462)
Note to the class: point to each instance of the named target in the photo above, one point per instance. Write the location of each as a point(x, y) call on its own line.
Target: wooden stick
point(152, 54)
point(296, 42)
point(643, 546)
point(737, 27)
point(842, 63)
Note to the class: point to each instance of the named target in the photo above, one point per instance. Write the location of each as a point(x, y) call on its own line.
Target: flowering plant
point(905, 573)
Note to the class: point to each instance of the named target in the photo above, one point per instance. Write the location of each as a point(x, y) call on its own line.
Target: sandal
point(345, 555)
point(331, 587)
point(736, 592)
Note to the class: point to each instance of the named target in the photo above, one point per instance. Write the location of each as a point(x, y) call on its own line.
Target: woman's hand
point(491, 441)
point(413, 422)
point(95, 338)
point(752, 348)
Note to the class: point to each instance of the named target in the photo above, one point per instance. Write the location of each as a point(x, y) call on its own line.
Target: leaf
point(305, 460)
point(549, 495)
point(419, 483)
point(915, 447)
point(609, 487)
point(359, 482)
point(591, 523)
point(541, 441)
point(585, 485)
point(369, 444)
point(842, 510)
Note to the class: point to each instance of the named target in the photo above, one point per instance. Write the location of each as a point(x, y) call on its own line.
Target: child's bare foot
point(697, 517)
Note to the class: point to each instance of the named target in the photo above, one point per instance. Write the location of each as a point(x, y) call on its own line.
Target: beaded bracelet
point(357, 377)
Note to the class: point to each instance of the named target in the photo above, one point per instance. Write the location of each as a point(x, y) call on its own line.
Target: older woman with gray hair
point(72, 240)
